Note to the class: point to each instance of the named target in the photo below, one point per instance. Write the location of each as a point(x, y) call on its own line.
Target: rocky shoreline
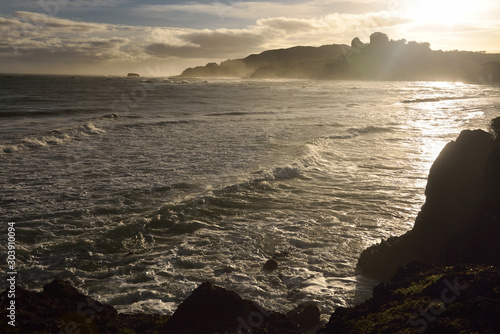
point(453, 288)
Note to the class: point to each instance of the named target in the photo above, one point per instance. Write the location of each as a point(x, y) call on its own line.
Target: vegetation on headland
point(422, 298)
point(380, 59)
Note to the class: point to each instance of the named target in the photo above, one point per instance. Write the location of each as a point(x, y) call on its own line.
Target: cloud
point(102, 43)
point(268, 33)
point(9, 22)
point(210, 44)
point(46, 21)
point(288, 25)
point(333, 23)
point(35, 38)
point(225, 10)
point(94, 3)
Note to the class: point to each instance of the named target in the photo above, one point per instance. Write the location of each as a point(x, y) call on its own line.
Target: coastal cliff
point(380, 59)
point(299, 61)
point(458, 222)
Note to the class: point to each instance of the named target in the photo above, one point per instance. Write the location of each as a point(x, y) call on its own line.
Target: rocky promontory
point(459, 222)
point(296, 62)
point(380, 59)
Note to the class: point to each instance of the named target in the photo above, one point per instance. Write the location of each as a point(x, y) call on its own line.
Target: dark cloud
point(109, 43)
point(9, 22)
point(289, 25)
point(45, 21)
point(210, 44)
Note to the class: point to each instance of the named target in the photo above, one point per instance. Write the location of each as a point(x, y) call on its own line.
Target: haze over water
point(138, 190)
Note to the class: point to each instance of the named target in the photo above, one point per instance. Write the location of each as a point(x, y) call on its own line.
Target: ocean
point(137, 190)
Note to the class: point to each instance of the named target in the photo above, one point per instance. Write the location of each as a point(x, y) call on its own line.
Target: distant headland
point(380, 59)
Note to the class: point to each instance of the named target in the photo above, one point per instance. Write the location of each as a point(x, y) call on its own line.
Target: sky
point(161, 38)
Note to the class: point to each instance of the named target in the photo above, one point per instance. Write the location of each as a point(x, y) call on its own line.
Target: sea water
point(137, 190)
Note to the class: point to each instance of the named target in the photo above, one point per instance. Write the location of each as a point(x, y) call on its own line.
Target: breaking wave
point(438, 99)
point(369, 130)
point(355, 132)
point(51, 138)
point(210, 207)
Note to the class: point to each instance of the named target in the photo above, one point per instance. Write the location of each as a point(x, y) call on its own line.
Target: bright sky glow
point(446, 12)
point(157, 37)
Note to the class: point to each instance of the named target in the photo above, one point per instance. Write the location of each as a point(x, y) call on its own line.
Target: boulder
point(212, 309)
point(478, 241)
point(270, 265)
point(60, 308)
point(307, 316)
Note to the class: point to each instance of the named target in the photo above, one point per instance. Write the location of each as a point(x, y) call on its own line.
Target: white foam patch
point(55, 137)
point(149, 306)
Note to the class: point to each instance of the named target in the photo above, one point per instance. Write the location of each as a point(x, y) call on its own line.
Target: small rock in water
point(270, 265)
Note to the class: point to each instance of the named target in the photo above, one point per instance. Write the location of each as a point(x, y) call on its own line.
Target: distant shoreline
point(380, 60)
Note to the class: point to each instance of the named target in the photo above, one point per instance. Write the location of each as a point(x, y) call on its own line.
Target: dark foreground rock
point(305, 315)
point(212, 309)
point(459, 221)
point(421, 298)
point(60, 308)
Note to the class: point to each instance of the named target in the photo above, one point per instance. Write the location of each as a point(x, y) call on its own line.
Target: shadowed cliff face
point(297, 62)
point(459, 190)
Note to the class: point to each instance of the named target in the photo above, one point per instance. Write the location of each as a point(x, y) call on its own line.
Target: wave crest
point(55, 137)
point(437, 99)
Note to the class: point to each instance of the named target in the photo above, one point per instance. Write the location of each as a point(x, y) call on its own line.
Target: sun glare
point(445, 12)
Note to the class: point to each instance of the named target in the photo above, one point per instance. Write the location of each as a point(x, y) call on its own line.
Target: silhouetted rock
point(459, 213)
point(307, 316)
point(479, 242)
point(62, 289)
point(357, 44)
point(133, 75)
point(299, 61)
point(379, 39)
point(423, 298)
point(60, 308)
point(211, 309)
